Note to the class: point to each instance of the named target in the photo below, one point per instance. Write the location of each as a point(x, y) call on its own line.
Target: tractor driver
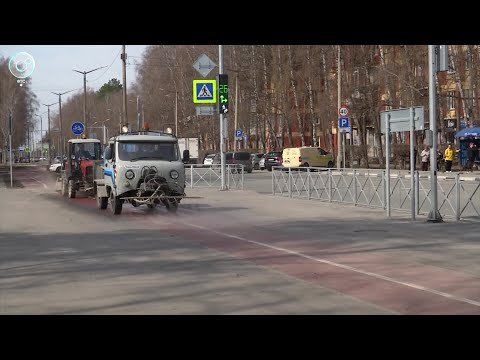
point(81, 152)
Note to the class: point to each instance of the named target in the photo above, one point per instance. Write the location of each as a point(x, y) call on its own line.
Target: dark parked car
point(240, 157)
point(273, 158)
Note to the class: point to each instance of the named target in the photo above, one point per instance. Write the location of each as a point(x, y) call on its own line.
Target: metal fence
point(197, 175)
point(458, 195)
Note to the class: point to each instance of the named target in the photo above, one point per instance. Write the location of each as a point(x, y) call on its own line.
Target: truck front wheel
point(102, 202)
point(115, 204)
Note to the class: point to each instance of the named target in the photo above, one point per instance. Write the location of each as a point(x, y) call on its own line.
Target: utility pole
point(49, 136)
point(61, 142)
point(41, 137)
point(434, 215)
point(138, 113)
point(85, 94)
point(339, 99)
point(124, 60)
point(176, 113)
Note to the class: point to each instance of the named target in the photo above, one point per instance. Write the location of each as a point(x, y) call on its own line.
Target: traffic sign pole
point(10, 148)
point(339, 101)
point(387, 165)
point(434, 215)
point(412, 162)
point(222, 139)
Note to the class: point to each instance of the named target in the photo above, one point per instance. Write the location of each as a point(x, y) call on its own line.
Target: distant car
point(307, 156)
point(56, 167)
point(261, 163)
point(256, 160)
point(208, 159)
point(240, 157)
point(58, 159)
point(273, 158)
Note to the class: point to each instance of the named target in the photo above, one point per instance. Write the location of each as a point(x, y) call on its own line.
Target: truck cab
point(141, 168)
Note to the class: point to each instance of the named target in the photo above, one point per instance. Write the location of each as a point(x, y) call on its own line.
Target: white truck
point(190, 144)
point(141, 168)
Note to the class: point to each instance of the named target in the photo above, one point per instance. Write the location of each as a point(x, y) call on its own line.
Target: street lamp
point(41, 136)
point(85, 94)
point(49, 136)
point(62, 142)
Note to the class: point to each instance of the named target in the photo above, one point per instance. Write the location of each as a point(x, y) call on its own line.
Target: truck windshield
point(147, 150)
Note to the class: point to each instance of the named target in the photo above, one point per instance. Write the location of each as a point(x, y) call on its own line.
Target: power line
point(108, 68)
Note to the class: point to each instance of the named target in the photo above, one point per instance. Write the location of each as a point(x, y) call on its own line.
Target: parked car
point(261, 163)
point(208, 159)
point(240, 157)
point(273, 158)
point(256, 160)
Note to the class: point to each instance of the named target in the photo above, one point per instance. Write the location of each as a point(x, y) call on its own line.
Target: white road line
point(45, 186)
point(346, 267)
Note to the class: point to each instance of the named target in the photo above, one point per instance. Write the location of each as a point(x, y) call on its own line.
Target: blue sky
point(54, 66)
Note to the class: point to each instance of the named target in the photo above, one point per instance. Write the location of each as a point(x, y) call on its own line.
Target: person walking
point(425, 155)
point(471, 156)
point(448, 158)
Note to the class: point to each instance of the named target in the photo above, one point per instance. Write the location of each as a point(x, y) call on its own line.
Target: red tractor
point(83, 157)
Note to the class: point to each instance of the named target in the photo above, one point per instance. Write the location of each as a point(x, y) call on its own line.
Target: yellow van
point(307, 156)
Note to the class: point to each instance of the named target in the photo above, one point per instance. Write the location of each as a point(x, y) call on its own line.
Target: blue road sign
point(238, 133)
point(204, 91)
point(343, 122)
point(78, 128)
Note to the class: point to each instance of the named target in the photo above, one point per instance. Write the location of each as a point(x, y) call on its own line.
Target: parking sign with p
point(343, 122)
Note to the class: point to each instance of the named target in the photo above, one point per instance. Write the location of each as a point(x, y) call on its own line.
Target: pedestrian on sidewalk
point(472, 153)
point(448, 158)
point(425, 155)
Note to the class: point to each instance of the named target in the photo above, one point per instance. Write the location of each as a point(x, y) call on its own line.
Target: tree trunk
point(313, 119)
point(285, 120)
point(295, 97)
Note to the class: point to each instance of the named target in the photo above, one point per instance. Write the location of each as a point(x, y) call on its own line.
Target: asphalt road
point(233, 252)
point(63, 256)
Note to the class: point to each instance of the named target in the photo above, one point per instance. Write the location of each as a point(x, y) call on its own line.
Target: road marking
point(45, 186)
point(346, 267)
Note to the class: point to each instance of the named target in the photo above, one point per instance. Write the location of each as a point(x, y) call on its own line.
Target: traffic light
point(223, 93)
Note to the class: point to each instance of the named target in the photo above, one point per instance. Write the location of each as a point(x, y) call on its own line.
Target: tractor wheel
point(64, 188)
point(71, 189)
point(115, 204)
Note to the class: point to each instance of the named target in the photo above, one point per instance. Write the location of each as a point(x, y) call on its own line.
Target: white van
point(307, 156)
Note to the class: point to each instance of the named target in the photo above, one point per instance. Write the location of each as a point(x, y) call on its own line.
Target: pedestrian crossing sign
point(204, 91)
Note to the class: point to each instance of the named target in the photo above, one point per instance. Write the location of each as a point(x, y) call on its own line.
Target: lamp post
point(62, 143)
point(49, 136)
point(41, 135)
point(85, 94)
